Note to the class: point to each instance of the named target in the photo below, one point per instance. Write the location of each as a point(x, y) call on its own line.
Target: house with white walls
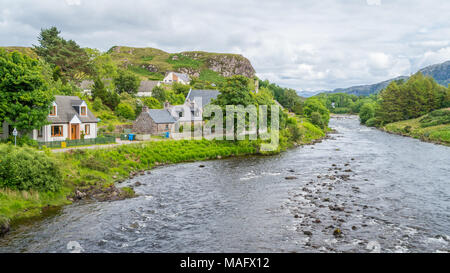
point(69, 118)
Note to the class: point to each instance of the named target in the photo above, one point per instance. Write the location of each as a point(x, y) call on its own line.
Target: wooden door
point(74, 131)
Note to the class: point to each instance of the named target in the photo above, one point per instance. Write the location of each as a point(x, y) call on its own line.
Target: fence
point(78, 142)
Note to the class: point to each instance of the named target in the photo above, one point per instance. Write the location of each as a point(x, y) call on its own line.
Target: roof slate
point(66, 111)
point(205, 96)
point(161, 116)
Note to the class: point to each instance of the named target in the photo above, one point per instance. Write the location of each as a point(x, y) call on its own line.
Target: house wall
point(144, 124)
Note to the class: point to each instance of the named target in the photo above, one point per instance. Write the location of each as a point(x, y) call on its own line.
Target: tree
point(109, 97)
point(235, 92)
point(126, 82)
point(152, 103)
point(69, 60)
point(180, 88)
point(25, 98)
point(366, 112)
point(312, 105)
point(159, 93)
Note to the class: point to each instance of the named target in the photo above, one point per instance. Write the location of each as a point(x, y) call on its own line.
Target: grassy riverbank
point(88, 173)
point(433, 127)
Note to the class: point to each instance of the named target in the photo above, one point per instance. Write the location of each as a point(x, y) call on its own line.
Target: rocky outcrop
point(230, 65)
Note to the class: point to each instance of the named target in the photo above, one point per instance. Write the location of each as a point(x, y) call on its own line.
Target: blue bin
point(131, 137)
point(167, 134)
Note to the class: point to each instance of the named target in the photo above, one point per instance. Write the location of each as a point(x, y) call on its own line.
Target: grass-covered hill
point(433, 127)
point(22, 49)
point(154, 63)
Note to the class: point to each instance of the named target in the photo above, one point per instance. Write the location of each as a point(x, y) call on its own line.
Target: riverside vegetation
point(418, 107)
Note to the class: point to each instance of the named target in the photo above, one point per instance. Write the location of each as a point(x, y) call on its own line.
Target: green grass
point(431, 127)
point(211, 76)
point(183, 61)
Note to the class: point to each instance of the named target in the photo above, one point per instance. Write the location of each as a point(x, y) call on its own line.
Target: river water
point(383, 192)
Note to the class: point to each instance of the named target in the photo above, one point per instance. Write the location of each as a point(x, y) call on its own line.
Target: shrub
point(26, 169)
point(125, 111)
point(366, 112)
point(317, 120)
point(373, 122)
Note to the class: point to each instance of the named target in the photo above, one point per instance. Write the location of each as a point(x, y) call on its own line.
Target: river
point(385, 193)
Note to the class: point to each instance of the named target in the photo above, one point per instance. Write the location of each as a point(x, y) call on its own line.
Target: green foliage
point(313, 105)
point(25, 97)
point(434, 118)
point(373, 122)
point(26, 169)
point(104, 66)
point(182, 61)
point(179, 88)
point(152, 103)
point(159, 93)
point(24, 140)
point(235, 91)
point(174, 99)
point(126, 82)
point(414, 98)
point(98, 105)
point(68, 56)
point(211, 77)
point(287, 97)
point(125, 110)
point(367, 112)
point(317, 120)
point(109, 97)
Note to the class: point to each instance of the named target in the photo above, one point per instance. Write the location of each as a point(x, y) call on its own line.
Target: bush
point(22, 141)
point(125, 111)
point(27, 169)
point(366, 112)
point(373, 122)
point(435, 118)
point(317, 120)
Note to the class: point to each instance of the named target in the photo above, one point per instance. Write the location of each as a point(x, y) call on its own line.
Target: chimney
point(145, 108)
point(166, 105)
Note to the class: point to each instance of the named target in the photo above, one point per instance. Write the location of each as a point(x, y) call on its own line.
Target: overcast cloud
point(304, 44)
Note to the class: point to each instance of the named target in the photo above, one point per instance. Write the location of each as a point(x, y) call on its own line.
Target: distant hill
point(440, 72)
point(154, 63)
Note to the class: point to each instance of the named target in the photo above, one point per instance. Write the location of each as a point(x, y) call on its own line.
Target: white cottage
point(172, 77)
point(69, 118)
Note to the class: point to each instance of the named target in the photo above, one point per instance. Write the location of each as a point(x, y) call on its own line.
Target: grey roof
point(183, 76)
point(66, 110)
point(204, 95)
point(147, 86)
point(161, 116)
point(76, 102)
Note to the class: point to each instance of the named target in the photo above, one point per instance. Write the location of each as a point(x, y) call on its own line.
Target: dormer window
point(83, 110)
point(53, 110)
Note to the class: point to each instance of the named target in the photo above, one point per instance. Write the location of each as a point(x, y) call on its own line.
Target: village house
point(146, 87)
point(69, 118)
point(154, 122)
point(172, 77)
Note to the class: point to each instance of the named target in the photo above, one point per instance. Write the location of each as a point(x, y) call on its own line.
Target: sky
point(304, 44)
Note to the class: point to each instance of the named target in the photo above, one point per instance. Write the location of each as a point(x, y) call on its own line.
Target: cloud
point(373, 2)
point(304, 45)
point(73, 2)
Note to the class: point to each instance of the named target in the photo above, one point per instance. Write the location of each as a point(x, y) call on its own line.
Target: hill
point(440, 72)
point(154, 63)
point(22, 49)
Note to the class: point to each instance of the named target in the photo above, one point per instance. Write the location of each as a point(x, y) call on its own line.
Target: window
point(57, 131)
point(167, 126)
point(180, 114)
point(40, 132)
point(87, 129)
point(83, 110)
point(53, 111)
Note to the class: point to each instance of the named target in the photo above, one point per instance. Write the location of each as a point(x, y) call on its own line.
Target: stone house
point(154, 122)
